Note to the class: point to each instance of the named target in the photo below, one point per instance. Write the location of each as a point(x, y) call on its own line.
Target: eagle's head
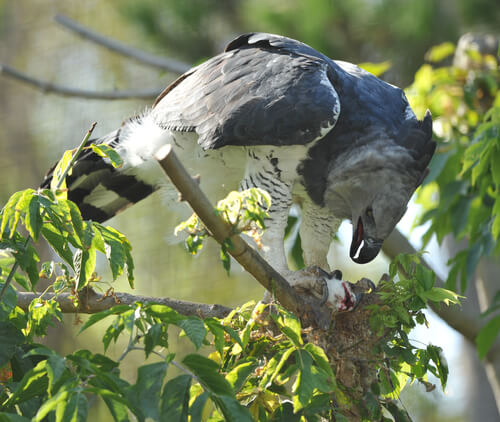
point(375, 216)
point(372, 184)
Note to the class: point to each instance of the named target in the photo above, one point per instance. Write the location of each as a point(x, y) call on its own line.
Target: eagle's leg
point(273, 249)
point(316, 232)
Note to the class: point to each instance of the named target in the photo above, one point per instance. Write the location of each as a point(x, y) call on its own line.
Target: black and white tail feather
point(99, 189)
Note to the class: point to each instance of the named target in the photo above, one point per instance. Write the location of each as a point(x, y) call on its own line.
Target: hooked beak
point(363, 249)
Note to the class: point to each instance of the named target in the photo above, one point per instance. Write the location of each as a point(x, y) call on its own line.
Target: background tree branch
point(66, 91)
point(91, 302)
point(141, 56)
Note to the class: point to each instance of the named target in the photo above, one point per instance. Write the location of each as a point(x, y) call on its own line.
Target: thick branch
point(46, 86)
point(118, 47)
point(91, 302)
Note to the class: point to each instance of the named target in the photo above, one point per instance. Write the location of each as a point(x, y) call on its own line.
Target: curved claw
point(359, 298)
point(326, 293)
point(372, 285)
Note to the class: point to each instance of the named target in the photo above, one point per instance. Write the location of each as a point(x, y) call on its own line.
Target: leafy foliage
point(257, 363)
point(461, 195)
point(403, 304)
point(245, 211)
point(260, 365)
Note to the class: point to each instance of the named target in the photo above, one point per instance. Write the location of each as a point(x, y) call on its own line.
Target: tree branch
point(118, 47)
point(46, 86)
point(91, 302)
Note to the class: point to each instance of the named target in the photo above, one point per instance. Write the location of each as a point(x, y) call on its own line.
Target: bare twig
point(118, 47)
point(46, 86)
point(91, 302)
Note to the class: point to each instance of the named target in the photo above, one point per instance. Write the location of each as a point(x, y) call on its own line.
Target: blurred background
point(36, 127)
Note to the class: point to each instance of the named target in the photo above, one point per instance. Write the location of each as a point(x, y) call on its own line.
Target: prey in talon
point(336, 293)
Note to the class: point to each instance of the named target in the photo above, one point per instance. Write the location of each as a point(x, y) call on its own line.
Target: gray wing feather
point(255, 95)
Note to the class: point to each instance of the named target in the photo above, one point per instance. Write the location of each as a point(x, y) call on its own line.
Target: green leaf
point(7, 305)
point(274, 367)
point(52, 404)
point(285, 413)
point(56, 365)
point(58, 242)
point(304, 384)
point(215, 327)
point(34, 220)
point(320, 358)
point(116, 406)
point(152, 338)
point(289, 325)
point(130, 267)
point(175, 399)
point(164, 312)
point(10, 338)
point(400, 415)
point(238, 375)
point(117, 251)
point(196, 409)
point(12, 417)
point(440, 52)
point(115, 310)
point(84, 262)
point(73, 410)
point(206, 370)
point(438, 294)
point(425, 277)
point(225, 257)
point(11, 212)
point(145, 394)
point(108, 152)
point(232, 410)
point(28, 258)
point(194, 329)
point(41, 314)
point(376, 69)
point(58, 171)
point(33, 384)
point(437, 165)
point(372, 406)
point(309, 379)
point(78, 224)
point(487, 336)
point(436, 355)
point(474, 254)
point(495, 166)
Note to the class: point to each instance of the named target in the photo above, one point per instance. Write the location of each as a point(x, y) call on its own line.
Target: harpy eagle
point(274, 113)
